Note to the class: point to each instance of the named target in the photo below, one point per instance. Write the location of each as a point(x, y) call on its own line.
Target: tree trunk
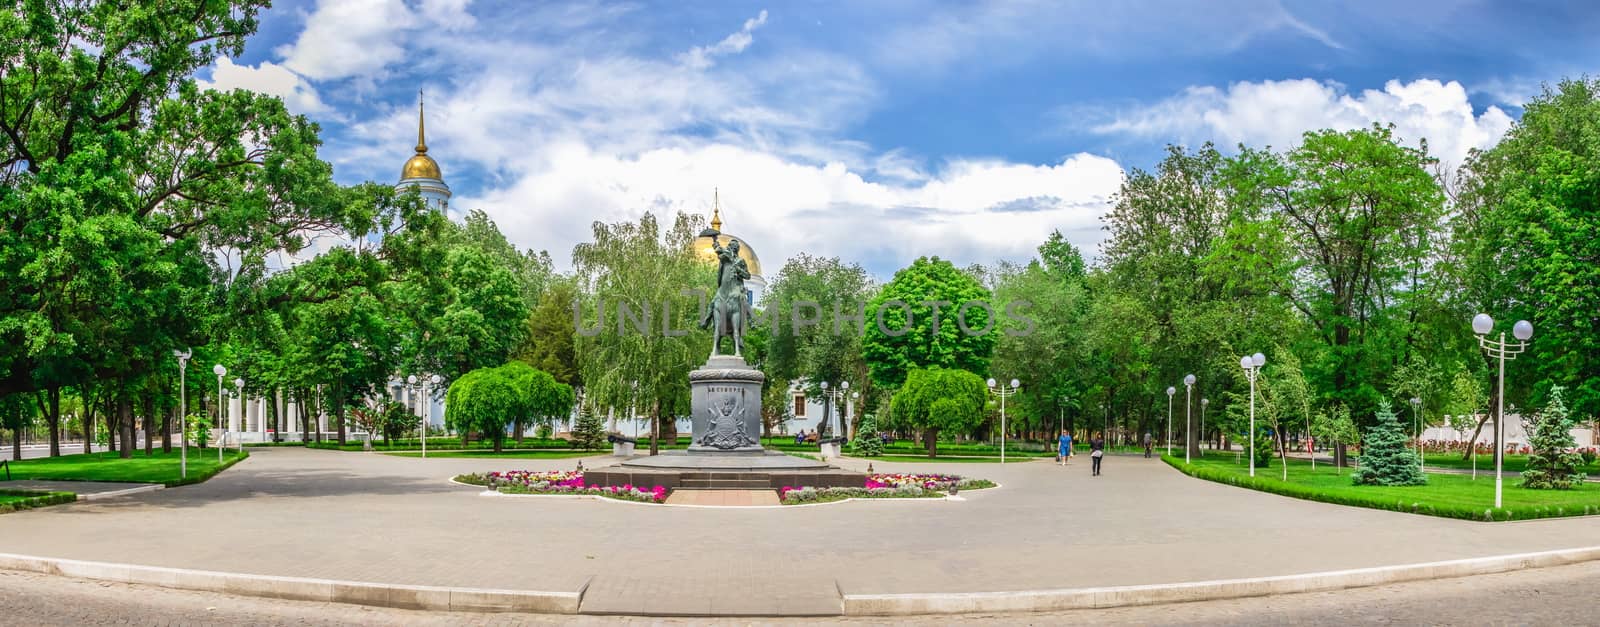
point(1341, 457)
point(655, 431)
point(149, 424)
point(166, 430)
point(16, 441)
point(1472, 444)
point(88, 426)
point(931, 437)
point(305, 424)
point(338, 411)
point(499, 439)
point(50, 406)
point(125, 425)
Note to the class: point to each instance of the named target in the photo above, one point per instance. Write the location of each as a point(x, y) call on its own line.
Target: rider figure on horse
point(730, 306)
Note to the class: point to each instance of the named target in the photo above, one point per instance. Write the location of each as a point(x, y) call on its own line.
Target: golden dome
point(702, 247)
point(420, 166)
point(702, 244)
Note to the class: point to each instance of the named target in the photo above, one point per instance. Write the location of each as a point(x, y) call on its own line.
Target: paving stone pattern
point(378, 518)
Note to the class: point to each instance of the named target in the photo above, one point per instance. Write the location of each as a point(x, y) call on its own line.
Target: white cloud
point(702, 57)
point(784, 207)
point(572, 130)
point(451, 15)
point(267, 78)
point(345, 38)
point(1277, 113)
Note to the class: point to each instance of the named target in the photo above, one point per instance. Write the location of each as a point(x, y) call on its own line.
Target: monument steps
point(726, 484)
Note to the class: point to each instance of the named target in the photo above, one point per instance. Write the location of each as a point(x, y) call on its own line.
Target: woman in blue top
point(1064, 447)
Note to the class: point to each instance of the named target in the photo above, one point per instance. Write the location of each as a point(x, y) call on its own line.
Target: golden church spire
point(716, 209)
point(422, 146)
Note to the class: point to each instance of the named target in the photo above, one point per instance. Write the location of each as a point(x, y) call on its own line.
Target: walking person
point(1149, 443)
point(1097, 451)
point(1064, 448)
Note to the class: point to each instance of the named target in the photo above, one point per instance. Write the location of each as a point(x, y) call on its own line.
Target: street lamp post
point(1482, 324)
point(414, 385)
point(1252, 368)
point(1416, 425)
point(1061, 411)
point(1003, 392)
point(221, 371)
point(238, 392)
point(1170, 391)
point(1188, 415)
point(427, 411)
point(183, 411)
point(1203, 403)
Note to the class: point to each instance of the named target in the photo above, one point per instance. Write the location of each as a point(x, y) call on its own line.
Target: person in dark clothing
point(1149, 443)
point(1097, 451)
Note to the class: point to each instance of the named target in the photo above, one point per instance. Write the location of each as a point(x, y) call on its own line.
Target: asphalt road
point(1550, 596)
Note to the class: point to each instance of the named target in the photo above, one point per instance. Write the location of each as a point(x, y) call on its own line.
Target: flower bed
point(560, 482)
point(885, 486)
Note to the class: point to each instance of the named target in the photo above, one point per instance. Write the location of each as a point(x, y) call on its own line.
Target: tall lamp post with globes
point(1482, 324)
point(183, 411)
point(1252, 368)
point(222, 404)
point(1003, 392)
point(238, 392)
point(1203, 403)
point(1170, 391)
point(416, 410)
point(1188, 417)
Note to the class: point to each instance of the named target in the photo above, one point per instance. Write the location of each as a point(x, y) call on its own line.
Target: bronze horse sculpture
point(729, 309)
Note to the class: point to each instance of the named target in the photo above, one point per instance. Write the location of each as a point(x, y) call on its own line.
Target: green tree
point(550, 332)
point(483, 400)
point(1385, 458)
point(542, 397)
point(936, 399)
point(1348, 206)
point(1530, 223)
point(807, 303)
point(1555, 463)
point(640, 317)
point(1333, 424)
point(923, 311)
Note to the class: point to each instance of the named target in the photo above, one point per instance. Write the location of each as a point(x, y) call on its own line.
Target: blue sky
point(877, 131)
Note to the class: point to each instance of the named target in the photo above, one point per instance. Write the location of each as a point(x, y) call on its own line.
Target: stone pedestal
point(725, 397)
point(725, 452)
point(830, 450)
point(622, 448)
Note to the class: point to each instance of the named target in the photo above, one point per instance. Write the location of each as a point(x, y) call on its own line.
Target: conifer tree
point(590, 432)
point(1385, 459)
point(1554, 463)
point(868, 442)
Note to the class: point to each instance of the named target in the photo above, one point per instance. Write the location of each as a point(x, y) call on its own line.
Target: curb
point(1119, 596)
point(305, 589)
point(95, 496)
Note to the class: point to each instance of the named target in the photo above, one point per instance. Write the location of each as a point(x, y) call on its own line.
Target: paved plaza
point(378, 518)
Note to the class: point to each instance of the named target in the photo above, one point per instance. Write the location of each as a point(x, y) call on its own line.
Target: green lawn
point(1448, 495)
point(946, 459)
point(507, 454)
point(159, 467)
point(14, 500)
point(1513, 463)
